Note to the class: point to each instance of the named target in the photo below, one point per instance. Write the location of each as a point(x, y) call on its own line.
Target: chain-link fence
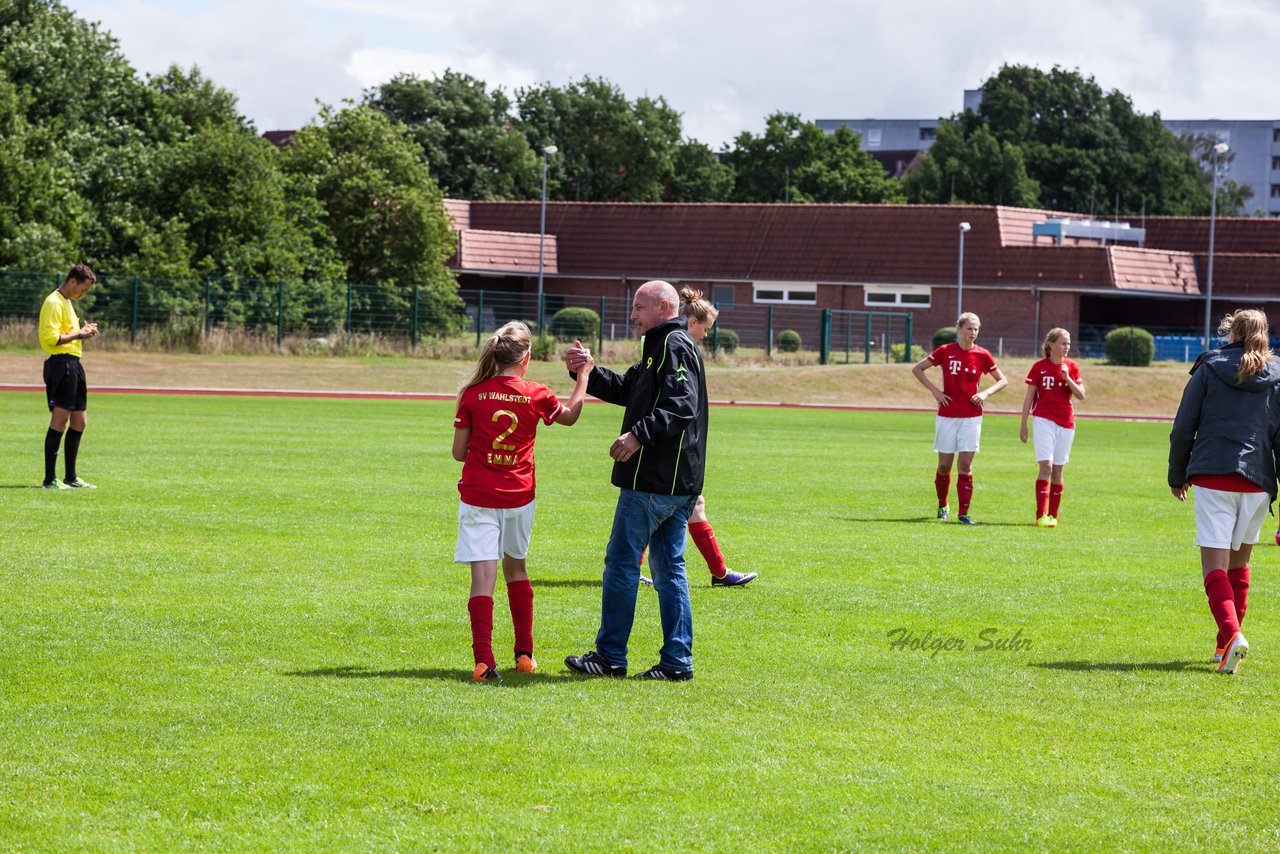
point(183, 313)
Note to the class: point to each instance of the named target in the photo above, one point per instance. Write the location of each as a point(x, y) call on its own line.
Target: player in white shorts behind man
point(958, 426)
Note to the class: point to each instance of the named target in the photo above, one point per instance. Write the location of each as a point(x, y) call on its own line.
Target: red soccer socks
point(1042, 498)
point(1222, 603)
point(520, 598)
point(705, 539)
point(481, 610)
point(942, 485)
point(964, 489)
point(1055, 499)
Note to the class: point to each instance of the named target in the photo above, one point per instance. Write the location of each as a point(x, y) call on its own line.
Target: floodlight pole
point(1218, 150)
point(964, 226)
point(542, 228)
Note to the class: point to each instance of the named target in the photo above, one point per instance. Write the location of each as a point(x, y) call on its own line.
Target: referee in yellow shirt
point(60, 336)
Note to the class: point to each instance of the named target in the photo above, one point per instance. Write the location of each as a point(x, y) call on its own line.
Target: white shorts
point(957, 435)
point(1225, 520)
point(1052, 440)
point(488, 533)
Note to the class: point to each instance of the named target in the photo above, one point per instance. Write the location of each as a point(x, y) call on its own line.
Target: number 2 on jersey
point(511, 428)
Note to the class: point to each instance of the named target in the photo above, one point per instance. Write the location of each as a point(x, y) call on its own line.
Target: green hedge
point(575, 322)
point(945, 335)
point(1130, 345)
point(726, 340)
point(789, 341)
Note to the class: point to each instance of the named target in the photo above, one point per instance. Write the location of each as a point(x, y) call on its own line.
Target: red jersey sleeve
point(462, 418)
point(546, 404)
point(936, 357)
point(988, 362)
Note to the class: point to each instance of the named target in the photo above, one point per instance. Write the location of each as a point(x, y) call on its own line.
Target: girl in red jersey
point(1224, 442)
point(1051, 383)
point(494, 430)
point(958, 427)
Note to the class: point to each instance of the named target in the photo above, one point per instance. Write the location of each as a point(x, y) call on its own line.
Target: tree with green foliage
point(978, 170)
point(1084, 150)
point(610, 149)
point(796, 161)
point(384, 210)
point(466, 133)
point(698, 175)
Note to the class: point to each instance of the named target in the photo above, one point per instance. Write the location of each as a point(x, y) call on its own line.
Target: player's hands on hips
point(979, 399)
point(624, 447)
point(943, 399)
point(1179, 492)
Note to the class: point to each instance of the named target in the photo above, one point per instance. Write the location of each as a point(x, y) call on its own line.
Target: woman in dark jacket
point(1224, 443)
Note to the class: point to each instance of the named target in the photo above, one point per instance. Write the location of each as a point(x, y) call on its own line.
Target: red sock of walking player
point(481, 610)
point(520, 598)
point(942, 485)
point(1239, 579)
point(1055, 499)
point(1042, 498)
point(1222, 603)
point(964, 489)
point(705, 539)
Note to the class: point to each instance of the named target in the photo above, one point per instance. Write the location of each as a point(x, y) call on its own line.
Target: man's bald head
point(655, 302)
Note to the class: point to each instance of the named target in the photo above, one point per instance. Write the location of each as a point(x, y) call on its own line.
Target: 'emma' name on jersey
point(505, 397)
point(502, 459)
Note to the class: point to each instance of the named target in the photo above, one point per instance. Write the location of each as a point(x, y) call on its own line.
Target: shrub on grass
point(944, 335)
point(1130, 345)
point(895, 353)
point(575, 322)
point(726, 341)
point(789, 341)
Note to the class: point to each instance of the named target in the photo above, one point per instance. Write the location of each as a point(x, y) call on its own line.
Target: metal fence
point(182, 311)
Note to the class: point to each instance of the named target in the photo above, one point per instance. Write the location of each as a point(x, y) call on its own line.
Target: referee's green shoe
point(78, 484)
point(57, 484)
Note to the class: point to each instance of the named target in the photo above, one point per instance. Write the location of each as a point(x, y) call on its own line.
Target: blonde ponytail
point(504, 348)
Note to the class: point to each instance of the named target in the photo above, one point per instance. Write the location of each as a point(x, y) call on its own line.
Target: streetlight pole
point(1218, 150)
point(542, 227)
point(964, 226)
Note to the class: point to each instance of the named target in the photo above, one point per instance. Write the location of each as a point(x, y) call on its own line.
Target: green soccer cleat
point(56, 484)
point(1046, 522)
point(79, 484)
point(942, 516)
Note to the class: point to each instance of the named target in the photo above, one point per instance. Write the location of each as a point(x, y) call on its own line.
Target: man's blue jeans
point(657, 521)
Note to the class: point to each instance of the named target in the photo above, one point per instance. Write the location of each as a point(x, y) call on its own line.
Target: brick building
point(1025, 270)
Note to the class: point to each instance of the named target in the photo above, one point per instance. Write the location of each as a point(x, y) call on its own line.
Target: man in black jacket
point(658, 466)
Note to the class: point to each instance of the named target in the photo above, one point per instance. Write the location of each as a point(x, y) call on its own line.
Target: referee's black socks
point(72, 448)
point(51, 440)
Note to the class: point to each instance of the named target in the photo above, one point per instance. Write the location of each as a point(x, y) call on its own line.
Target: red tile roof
point(893, 244)
point(497, 251)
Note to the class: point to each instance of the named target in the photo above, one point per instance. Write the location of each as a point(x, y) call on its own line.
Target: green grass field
point(252, 637)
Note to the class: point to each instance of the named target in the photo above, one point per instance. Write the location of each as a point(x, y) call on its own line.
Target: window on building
point(722, 296)
point(873, 137)
point(888, 296)
point(928, 134)
point(1275, 164)
point(1275, 191)
point(1275, 134)
point(790, 293)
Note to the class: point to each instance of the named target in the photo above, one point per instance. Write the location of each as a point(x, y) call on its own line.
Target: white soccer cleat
point(1237, 648)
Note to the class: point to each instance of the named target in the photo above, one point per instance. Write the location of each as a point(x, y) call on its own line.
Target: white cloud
point(724, 65)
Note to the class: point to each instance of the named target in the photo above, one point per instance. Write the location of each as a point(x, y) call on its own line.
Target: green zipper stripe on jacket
point(635, 477)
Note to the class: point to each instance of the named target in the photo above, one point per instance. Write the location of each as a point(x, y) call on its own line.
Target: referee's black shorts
point(64, 383)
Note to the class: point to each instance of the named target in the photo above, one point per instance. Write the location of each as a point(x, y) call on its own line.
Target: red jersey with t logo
point(1053, 395)
point(961, 371)
point(503, 414)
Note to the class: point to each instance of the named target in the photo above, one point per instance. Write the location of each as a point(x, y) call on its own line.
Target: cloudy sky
point(724, 65)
